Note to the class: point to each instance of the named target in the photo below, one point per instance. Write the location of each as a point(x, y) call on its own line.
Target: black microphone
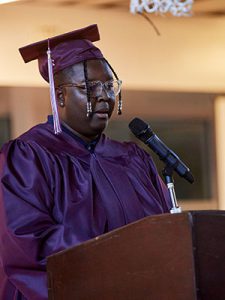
point(144, 132)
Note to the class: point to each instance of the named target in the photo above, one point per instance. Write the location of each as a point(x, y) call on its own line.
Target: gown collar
point(90, 146)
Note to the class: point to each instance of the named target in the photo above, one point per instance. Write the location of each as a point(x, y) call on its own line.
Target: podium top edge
point(192, 214)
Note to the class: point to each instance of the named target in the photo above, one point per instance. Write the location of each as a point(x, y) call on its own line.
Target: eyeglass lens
point(112, 88)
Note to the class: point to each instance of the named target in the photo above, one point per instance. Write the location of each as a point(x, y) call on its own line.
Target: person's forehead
point(74, 73)
point(96, 70)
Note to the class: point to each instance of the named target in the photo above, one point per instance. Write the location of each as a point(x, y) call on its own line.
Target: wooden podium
point(164, 257)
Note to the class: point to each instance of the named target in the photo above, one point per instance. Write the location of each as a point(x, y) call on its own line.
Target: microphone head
point(140, 129)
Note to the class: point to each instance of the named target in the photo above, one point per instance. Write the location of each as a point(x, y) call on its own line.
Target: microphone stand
point(167, 173)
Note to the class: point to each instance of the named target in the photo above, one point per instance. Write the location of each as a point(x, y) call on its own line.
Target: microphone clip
point(168, 176)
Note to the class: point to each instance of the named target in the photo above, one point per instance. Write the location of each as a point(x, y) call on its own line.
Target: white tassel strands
point(57, 127)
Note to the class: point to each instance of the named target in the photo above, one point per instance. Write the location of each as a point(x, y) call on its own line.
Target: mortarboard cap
point(66, 49)
point(57, 53)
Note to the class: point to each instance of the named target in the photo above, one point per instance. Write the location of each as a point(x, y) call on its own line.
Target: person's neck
point(84, 138)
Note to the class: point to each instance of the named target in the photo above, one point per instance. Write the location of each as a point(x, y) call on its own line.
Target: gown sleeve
point(28, 233)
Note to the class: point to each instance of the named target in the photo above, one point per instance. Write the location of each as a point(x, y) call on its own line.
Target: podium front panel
point(149, 259)
point(209, 252)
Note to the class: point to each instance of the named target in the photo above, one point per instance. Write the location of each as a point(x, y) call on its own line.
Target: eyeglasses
point(111, 87)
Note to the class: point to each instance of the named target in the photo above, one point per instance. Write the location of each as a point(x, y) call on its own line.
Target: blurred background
point(175, 81)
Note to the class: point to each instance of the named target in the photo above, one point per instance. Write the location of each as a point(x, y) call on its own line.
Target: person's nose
point(103, 96)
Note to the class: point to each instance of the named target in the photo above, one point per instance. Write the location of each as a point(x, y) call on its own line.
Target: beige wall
point(220, 142)
point(189, 54)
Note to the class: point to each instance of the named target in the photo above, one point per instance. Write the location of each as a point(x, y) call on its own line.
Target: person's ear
point(60, 97)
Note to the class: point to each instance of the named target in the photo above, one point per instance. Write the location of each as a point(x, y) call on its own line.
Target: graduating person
point(64, 182)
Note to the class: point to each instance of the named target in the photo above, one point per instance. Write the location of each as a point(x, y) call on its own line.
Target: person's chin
point(99, 125)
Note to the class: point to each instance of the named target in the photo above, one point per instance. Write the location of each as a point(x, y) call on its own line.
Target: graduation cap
point(57, 53)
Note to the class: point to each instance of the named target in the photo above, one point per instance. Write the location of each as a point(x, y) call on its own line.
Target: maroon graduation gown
point(55, 194)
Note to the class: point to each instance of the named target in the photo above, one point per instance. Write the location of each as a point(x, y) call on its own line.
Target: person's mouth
point(102, 113)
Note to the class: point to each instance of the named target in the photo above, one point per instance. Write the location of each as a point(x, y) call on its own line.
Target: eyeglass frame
point(90, 83)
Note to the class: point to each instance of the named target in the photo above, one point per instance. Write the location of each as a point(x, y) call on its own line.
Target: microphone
point(144, 132)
